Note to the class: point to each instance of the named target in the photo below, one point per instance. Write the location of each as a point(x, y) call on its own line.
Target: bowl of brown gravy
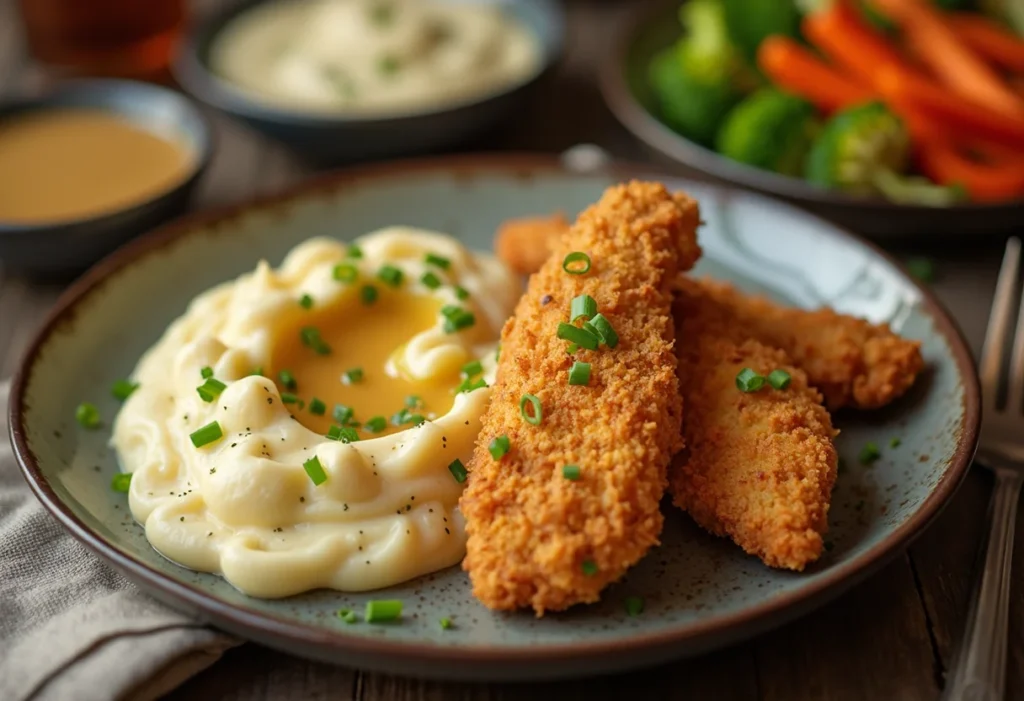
point(90, 165)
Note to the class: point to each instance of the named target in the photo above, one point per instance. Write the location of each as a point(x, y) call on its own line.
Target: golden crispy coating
point(536, 538)
point(758, 467)
point(524, 244)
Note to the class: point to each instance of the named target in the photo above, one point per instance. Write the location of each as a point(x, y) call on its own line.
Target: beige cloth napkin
point(70, 626)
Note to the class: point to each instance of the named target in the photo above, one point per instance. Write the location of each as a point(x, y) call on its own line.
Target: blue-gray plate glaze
point(700, 591)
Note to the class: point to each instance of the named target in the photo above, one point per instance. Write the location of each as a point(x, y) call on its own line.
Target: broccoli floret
point(865, 151)
point(750, 21)
point(769, 130)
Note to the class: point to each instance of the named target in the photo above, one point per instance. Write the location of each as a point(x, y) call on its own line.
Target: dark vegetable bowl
point(328, 139)
point(66, 247)
point(624, 84)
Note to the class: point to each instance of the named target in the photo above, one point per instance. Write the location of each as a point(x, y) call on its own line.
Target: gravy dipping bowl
point(67, 245)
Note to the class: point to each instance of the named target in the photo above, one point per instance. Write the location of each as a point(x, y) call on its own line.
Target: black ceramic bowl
point(625, 89)
point(326, 140)
point(66, 247)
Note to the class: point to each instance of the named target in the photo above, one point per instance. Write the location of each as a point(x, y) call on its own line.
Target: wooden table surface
point(890, 637)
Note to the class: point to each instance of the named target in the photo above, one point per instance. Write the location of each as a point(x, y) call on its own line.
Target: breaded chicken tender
point(524, 244)
point(537, 538)
point(759, 466)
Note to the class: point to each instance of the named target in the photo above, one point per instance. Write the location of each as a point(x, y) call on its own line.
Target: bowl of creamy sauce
point(346, 79)
point(308, 426)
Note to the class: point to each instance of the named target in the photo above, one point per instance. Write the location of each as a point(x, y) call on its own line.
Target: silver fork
point(979, 669)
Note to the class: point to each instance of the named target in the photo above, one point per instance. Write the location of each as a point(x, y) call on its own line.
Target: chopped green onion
point(569, 264)
point(535, 416)
point(206, 372)
point(605, 331)
point(343, 414)
point(430, 280)
point(390, 275)
point(749, 381)
point(310, 336)
point(315, 471)
point(317, 407)
point(869, 453)
point(87, 415)
point(354, 251)
point(458, 470)
point(581, 337)
point(368, 294)
point(579, 373)
point(413, 402)
point(257, 371)
point(209, 433)
point(122, 389)
point(352, 376)
point(571, 348)
point(582, 305)
point(402, 416)
point(375, 424)
point(383, 610)
point(471, 369)
point(345, 434)
point(121, 482)
point(461, 292)
point(211, 389)
point(499, 447)
point(456, 318)
point(779, 379)
point(306, 302)
point(290, 398)
point(468, 385)
point(894, 442)
point(445, 623)
point(589, 568)
point(347, 615)
point(288, 380)
point(921, 268)
point(439, 261)
point(345, 272)
point(571, 472)
point(634, 605)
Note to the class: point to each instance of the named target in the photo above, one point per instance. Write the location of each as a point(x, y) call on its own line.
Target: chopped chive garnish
point(375, 424)
point(415, 419)
point(430, 280)
point(209, 433)
point(589, 568)
point(581, 337)
point(399, 417)
point(206, 372)
point(352, 376)
point(869, 453)
point(368, 294)
point(456, 318)
point(413, 402)
point(122, 389)
point(468, 385)
point(579, 373)
point(390, 275)
point(315, 471)
point(317, 407)
point(571, 472)
point(445, 623)
point(458, 470)
point(310, 336)
point(582, 305)
point(288, 380)
point(87, 415)
point(345, 434)
point(894, 442)
point(605, 331)
point(571, 348)
point(121, 482)
point(779, 379)
point(749, 381)
point(290, 398)
point(634, 605)
point(439, 261)
point(345, 272)
point(536, 413)
point(306, 302)
point(349, 617)
point(576, 263)
point(499, 447)
point(472, 369)
point(257, 371)
point(211, 389)
point(354, 251)
point(342, 414)
point(921, 268)
point(383, 610)
point(461, 292)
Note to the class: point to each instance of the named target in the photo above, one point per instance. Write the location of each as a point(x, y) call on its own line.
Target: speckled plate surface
point(700, 591)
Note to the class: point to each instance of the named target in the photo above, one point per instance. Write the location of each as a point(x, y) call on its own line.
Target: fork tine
point(999, 322)
point(1015, 398)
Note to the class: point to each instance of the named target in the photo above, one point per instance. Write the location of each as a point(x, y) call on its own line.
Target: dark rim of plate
point(754, 619)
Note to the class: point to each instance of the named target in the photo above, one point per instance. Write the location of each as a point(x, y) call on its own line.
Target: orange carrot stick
point(984, 183)
point(955, 64)
point(794, 68)
point(989, 40)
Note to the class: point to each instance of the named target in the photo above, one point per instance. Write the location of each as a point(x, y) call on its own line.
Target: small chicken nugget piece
point(524, 244)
